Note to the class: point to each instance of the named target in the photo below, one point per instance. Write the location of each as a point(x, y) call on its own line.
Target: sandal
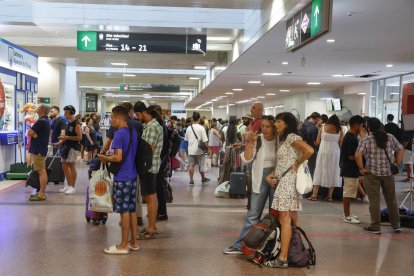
point(312, 198)
point(113, 250)
point(133, 248)
point(145, 235)
point(36, 197)
point(329, 199)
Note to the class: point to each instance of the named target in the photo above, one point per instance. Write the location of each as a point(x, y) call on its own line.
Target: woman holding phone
point(292, 152)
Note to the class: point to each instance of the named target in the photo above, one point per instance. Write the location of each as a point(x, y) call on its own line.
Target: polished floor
point(53, 238)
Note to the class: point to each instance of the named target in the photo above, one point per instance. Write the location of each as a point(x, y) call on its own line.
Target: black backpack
point(175, 141)
point(143, 159)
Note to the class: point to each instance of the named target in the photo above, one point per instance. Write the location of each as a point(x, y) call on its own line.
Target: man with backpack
point(309, 133)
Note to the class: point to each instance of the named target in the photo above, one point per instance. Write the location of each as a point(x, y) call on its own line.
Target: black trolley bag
point(57, 175)
point(33, 179)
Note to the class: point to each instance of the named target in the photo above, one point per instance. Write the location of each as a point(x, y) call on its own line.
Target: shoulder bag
point(394, 168)
point(201, 144)
point(114, 167)
point(304, 182)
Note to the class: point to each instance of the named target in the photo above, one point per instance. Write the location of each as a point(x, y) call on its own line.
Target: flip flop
point(312, 198)
point(133, 248)
point(36, 198)
point(145, 235)
point(112, 250)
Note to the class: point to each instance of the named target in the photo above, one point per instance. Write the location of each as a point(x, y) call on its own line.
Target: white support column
point(69, 94)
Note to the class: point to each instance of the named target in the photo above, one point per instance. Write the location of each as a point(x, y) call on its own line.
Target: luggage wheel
point(104, 221)
point(95, 222)
point(88, 220)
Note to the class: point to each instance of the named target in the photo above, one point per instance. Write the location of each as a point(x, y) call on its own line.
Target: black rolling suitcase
point(237, 184)
point(33, 179)
point(55, 164)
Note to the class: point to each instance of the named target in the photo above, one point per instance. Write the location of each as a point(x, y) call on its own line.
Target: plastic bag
point(100, 192)
point(304, 179)
point(207, 165)
point(222, 190)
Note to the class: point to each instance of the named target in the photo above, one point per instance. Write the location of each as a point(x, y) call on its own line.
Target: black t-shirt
point(71, 132)
point(42, 129)
point(135, 124)
point(393, 129)
point(57, 126)
point(349, 147)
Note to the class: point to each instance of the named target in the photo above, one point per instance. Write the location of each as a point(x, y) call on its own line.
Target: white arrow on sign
point(316, 13)
point(86, 40)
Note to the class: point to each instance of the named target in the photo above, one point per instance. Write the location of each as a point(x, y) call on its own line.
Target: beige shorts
point(350, 187)
point(39, 162)
point(72, 156)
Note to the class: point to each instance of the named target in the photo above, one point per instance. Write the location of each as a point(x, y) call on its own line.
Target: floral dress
point(286, 197)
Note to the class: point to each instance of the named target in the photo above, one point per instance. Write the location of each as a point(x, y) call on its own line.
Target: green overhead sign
point(87, 41)
point(308, 24)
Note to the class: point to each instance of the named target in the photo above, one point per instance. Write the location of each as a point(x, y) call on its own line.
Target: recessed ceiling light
point(313, 83)
point(394, 93)
point(193, 78)
point(119, 64)
point(129, 75)
point(261, 97)
point(285, 63)
point(238, 89)
point(219, 38)
point(373, 96)
point(255, 82)
point(271, 94)
point(362, 93)
point(214, 100)
point(284, 90)
point(390, 65)
point(197, 67)
point(342, 76)
point(254, 99)
point(229, 93)
point(272, 74)
point(231, 104)
point(330, 40)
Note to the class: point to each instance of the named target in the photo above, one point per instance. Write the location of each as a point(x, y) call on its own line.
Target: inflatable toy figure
point(30, 110)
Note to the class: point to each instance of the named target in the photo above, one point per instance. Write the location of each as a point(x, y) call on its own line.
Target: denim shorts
point(125, 194)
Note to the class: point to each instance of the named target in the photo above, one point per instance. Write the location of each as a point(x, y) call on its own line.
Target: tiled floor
point(53, 238)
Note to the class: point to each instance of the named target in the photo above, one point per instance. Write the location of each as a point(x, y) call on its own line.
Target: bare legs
point(287, 219)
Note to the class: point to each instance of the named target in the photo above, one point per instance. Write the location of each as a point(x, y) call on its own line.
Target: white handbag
point(100, 192)
point(207, 165)
point(304, 183)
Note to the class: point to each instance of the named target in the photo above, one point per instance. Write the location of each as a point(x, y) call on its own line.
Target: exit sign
point(308, 24)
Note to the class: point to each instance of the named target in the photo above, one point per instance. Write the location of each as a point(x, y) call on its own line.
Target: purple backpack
point(299, 255)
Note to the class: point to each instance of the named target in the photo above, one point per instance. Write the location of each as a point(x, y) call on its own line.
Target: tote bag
point(304, 182)
point(100, 192)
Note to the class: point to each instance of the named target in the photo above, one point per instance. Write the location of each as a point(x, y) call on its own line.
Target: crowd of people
point(356, 158)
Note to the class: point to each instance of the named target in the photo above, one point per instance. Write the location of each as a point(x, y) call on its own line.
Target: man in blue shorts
point(125, 185)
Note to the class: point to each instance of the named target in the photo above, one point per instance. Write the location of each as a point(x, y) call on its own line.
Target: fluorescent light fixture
point(394, 93)
point(261, 97)
point(218, 38)
point(284, 90)
point(342, 76)
point(220, 68)
point(119, 64)
point(272, 74)
point(362, 93)
point(197, 67)
point(313, 83)
point(255, 82)
point(271, 94)
point(231, 104)
point(373, 96)
point(193, 78)
point(214, 100)
point(238, 89)
point(254, 99)
point(129, 75)
point(279, 106)
point(330, 40)
point(222, 106)
point(390, 65)
point(229, 93)
point(285, 63)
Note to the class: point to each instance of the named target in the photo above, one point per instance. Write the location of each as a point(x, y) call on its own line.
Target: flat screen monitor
point(337, 105)
point(329, 106)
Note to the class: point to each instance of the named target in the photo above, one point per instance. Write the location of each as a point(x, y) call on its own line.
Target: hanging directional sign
point(308, 24)
point(141, 43)
point(149, 87)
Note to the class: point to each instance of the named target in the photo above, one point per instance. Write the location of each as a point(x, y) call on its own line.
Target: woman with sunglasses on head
point(261, 152)
point(291, 153)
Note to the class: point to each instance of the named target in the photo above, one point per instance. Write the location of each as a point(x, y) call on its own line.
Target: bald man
point(257, 113)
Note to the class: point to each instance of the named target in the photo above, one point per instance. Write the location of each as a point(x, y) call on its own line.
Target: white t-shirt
point(214, 140)
point(192, 140)
point(270, 150)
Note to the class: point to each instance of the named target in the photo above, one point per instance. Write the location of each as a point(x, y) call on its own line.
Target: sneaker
point(371, 230)
point(351, 220)
point(70, 191)
point(397, 230)
point(192, 183)
point(205, 180)
point(231, 250)
point(365, 200)
point(351, 215)
point(65, 188)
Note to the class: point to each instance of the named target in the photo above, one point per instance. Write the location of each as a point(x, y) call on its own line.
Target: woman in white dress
point(327, 171)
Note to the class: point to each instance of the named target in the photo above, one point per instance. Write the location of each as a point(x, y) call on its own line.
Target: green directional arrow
point(87, 41)
point(316, 17)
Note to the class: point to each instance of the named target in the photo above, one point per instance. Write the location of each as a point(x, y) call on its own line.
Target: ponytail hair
point(152, 110)
point(380, 136)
